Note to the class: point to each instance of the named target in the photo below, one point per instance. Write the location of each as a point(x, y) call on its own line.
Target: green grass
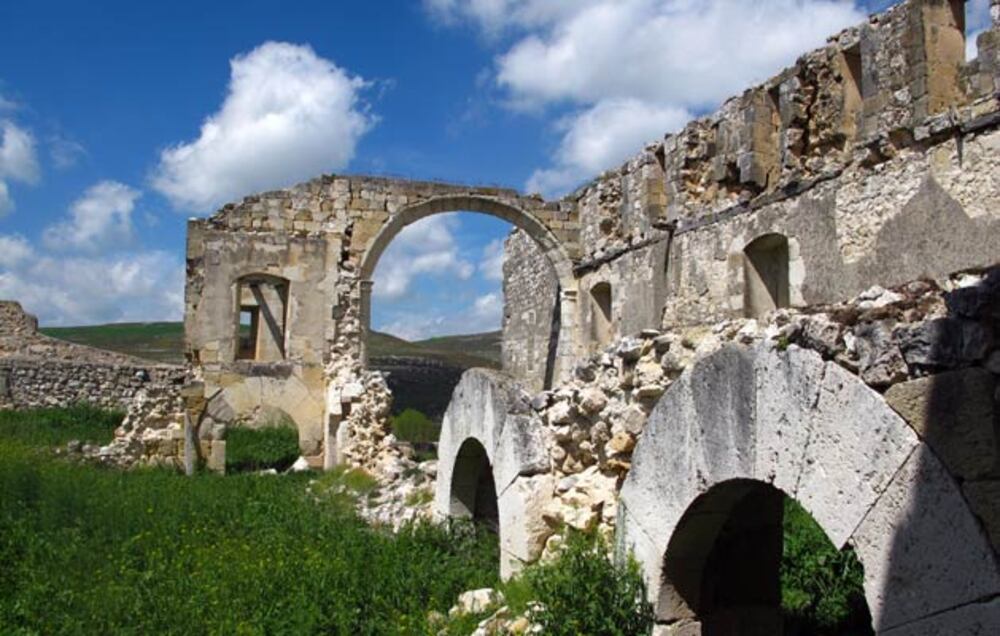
point(158, 341)
point(95, 551)
point(56, 427)
point(249, 450)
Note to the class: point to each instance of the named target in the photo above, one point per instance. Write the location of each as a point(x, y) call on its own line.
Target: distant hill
point(164, 342)
point(422, 374)
point(157, 341)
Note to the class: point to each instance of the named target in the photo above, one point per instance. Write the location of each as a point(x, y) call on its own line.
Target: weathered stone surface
point(856, 444)
point(520, 450)
point(984, 499)
point(954, 413)
point(523, 529)
point(944, 343)
point(922, 550)
point(818, 433)
point(976, 619)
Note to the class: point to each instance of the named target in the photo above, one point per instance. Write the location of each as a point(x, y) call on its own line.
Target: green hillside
point(158, 341)
point(164, 342)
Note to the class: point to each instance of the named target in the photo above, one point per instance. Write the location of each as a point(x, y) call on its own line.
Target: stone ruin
point(796, 295)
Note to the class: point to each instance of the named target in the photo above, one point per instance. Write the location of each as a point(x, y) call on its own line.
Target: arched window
point(601, 325)
point(765, 265)
point(262, 310)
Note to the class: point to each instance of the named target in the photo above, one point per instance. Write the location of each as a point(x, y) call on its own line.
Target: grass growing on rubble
point(92, 551)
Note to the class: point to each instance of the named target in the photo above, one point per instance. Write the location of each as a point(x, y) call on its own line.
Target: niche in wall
point(765, 266)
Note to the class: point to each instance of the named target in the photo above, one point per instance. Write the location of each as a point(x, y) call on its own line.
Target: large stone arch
point(490, 409)
point(516, 211)
point(816, 432)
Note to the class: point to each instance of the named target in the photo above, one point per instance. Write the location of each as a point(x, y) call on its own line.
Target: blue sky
point(118, 120)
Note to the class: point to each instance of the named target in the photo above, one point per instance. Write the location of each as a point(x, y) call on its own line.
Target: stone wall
point(530, 300)
point(38, 371)
point(927, 350)
point(855, 155)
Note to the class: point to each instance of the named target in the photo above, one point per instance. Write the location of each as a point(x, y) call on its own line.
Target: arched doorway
point(473, 490)
point(813, 430)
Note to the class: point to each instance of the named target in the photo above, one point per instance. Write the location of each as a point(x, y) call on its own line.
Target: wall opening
point(601, 316)
point(261, 316)
point(944, 43)
point(853, 86)
point(473, 490)
point(746, 559)
point(765, 267)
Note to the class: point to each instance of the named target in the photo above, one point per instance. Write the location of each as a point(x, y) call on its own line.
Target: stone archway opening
point(747, 559)
point(473, 489)
point(563, 320)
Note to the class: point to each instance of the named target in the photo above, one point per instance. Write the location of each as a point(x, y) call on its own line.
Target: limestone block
point(984, 499)
point(520, 450)
point(856, 444)
point(217, 456)
point(523, 530)
point(702, 426)
point(788, 385)
point(592, 400)
point(921, 547)
point(976, 619)
point(954, 413)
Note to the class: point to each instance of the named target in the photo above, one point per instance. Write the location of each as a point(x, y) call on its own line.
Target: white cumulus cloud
point(482, 315)
point(633, 69)
point(603, 136)
point(426, 247)
point(491, 267)
point(14, 250)
point(18, 161)
point(289, 115)
point(100, 219)
point(130, 287)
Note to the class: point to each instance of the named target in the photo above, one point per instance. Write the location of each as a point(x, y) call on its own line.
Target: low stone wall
point(35, 383)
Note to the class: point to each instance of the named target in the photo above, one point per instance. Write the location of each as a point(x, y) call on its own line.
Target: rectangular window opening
point(249, 323)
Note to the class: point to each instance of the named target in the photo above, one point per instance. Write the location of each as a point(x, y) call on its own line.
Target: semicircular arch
point(516, 216)
point(814, 431)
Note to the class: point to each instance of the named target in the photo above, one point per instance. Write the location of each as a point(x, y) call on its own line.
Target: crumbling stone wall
point(856, 154)
point(38, 371)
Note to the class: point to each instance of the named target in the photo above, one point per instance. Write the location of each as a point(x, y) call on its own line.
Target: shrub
point(413, 426)
point(821, 587)
point(583, 591)
point(250, 449)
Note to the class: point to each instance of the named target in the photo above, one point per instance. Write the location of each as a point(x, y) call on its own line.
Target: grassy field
point(164, 342)
point(86, 550)
point(158, 341)
point(91, 551)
